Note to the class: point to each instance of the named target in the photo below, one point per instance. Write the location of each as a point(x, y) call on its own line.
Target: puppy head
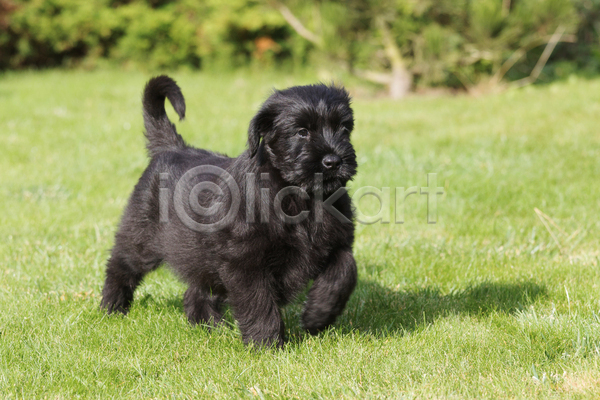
point(303, 131)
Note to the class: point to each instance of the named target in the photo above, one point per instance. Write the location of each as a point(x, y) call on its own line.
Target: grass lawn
point(495, 300)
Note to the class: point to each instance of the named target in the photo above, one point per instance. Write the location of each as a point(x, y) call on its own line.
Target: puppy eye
point(303, 133)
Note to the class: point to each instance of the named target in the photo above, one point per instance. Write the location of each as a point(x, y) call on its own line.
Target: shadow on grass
point(379, 310)
point(160, 302)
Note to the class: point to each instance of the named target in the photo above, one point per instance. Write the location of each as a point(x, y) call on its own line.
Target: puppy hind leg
point(202, 307)
point(123, 275)
point(329, 293)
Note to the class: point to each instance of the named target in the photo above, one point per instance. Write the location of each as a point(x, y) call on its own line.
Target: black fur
point(257, 262)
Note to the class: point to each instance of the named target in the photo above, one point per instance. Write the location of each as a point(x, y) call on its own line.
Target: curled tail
point(160, 132)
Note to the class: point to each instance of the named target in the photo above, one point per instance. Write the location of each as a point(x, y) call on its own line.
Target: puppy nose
point(331, 161)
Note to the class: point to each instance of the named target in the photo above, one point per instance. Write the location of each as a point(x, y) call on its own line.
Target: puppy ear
point(260, 126)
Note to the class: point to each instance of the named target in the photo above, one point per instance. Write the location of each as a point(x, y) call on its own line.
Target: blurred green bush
point(153, 33)
point(437, 42)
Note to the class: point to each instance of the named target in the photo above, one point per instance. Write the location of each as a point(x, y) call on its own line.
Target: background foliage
point(456, 43)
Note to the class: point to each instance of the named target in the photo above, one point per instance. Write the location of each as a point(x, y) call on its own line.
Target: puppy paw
point(316, 323)
point(118, 305)
point(263, 344)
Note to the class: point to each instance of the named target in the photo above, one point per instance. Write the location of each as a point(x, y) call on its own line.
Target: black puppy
point(265, 223)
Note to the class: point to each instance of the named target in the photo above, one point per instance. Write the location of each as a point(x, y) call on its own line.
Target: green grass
point(487, 303)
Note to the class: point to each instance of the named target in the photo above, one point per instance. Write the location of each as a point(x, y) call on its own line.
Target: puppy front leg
point(330, 291)
point(257, 314)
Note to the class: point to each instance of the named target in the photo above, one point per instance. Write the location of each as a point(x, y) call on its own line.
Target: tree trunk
point(401, 78)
